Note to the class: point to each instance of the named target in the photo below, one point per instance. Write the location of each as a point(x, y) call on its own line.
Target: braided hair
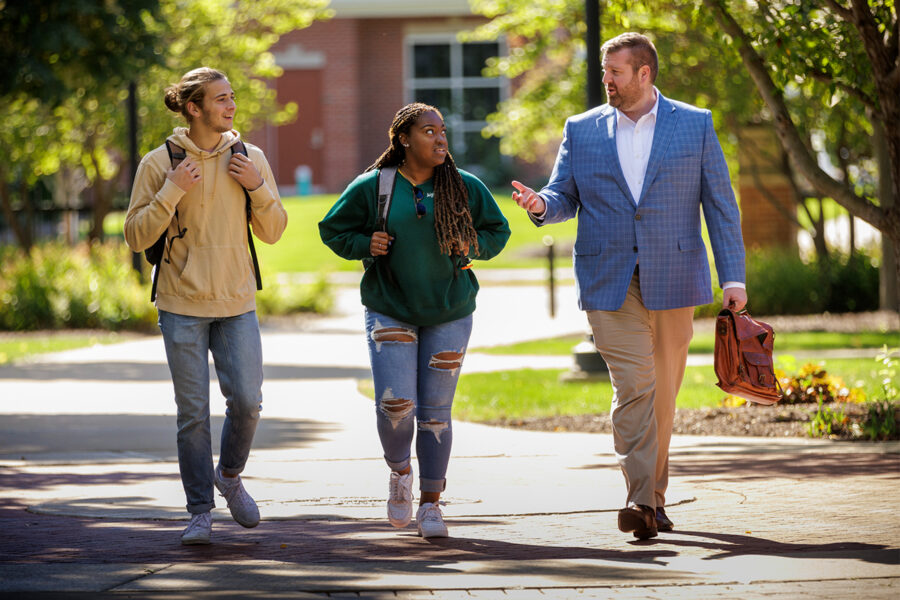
point(452, 218)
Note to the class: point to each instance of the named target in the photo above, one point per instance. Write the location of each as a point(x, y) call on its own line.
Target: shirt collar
point(622, 118)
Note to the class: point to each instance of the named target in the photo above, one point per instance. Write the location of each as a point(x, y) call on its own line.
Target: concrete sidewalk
point(92, 504)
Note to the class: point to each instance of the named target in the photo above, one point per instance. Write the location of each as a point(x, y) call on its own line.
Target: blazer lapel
point(606, 125)
point(666, 118)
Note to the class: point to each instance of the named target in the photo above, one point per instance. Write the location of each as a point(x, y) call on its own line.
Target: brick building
point(350, 74)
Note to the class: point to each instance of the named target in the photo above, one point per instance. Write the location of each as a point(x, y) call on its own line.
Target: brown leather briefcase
point(743, 358)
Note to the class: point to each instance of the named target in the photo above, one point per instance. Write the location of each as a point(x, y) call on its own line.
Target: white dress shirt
point(633, 143)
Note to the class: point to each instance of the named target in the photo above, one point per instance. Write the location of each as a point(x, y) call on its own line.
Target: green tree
point(546, 60)
point(546, 55)
point(49, 48)
point(85, 131)
point(853, 48)
point(60, 61)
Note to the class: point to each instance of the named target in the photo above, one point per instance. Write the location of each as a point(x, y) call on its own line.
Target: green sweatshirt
point(414, 282)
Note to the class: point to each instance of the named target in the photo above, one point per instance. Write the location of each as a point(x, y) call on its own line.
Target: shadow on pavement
point(48, 538)
point(737, 467)
point(729, 545)
point(740, 468)
point(25, 436)
point(118, 372)
point(13, 478)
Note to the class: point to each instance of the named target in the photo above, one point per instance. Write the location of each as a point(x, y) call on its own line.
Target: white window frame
point(457, 82)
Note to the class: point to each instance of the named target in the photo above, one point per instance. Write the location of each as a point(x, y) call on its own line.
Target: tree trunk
point(102, 206)
point(102, 199)
point(819, 240)
point(22, 233)
point(889, 296)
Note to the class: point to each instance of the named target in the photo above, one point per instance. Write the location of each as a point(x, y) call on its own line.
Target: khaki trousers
point(646, 351)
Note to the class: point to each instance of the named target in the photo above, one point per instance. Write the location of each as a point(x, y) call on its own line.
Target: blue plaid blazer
point(686, 171)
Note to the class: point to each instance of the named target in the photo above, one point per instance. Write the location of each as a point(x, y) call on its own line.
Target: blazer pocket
point(587, 248)
point(690, 244)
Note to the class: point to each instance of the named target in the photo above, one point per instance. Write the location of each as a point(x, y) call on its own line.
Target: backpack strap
point(387, 177)
point(155, 253)
point(385, 181)
point(239, 148)
point(176, 153)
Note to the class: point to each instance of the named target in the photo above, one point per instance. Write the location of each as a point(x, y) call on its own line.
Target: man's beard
point(625, 96)
point(207, 120)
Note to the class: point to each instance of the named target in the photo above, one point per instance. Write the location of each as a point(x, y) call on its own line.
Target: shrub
point(881, 421)
point(827, 422)
point(281, 298)
point(853, 284)
point(780, 283)
point(94, 286)
point(87, 286)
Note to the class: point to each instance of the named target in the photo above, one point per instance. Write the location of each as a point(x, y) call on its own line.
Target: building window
point(446, 73)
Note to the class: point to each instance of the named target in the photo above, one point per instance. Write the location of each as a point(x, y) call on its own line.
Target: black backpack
point(154, 253)
point(385, 184)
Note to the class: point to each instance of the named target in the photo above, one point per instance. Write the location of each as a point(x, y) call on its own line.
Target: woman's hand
point(380, 243)
point(461, 248)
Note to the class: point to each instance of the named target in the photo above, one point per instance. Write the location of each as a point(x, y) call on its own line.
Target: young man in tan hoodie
point(206, 294)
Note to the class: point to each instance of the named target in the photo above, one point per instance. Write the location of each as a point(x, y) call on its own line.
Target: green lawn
point(703, 343)
point(300, 249)
point(15, 347)
point(532, 393)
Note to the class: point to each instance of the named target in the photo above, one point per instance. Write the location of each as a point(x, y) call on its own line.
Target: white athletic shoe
point(243, 508)
point(430, 521)
point(198, 530)
point(400, 499)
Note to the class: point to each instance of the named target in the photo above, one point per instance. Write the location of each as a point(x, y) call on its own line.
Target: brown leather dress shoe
point(663, 522)
point(639, 520)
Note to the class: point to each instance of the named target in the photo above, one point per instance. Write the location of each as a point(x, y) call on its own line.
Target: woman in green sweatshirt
point(419, 295)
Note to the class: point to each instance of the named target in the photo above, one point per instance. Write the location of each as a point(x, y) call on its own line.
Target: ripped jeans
point(415, 370)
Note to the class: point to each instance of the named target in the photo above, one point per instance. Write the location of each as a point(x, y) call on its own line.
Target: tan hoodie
point(208, 272)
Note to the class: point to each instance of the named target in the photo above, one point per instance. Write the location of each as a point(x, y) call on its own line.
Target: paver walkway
point(91, 503)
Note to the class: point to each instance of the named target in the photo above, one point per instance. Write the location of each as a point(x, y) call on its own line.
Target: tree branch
point(872, 40)
point(855, 92)
point(840, 10)
point(785, 127)
point(893, 49)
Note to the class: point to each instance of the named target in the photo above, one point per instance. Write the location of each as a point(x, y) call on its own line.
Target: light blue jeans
point(415, 371)
point(237, 354)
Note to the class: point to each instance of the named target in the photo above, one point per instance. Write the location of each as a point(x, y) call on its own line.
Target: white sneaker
point(430, 521)
point(400, 498)
point(198, 530)
point(243, 508)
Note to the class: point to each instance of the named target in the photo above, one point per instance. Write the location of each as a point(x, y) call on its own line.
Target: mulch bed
point(780, 420)
point(788, 420)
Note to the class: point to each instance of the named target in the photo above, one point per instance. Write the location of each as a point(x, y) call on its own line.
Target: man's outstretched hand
point(528, 199)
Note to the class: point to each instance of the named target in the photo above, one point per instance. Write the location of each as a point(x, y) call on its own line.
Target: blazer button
point(637, 217)
point(635, 248)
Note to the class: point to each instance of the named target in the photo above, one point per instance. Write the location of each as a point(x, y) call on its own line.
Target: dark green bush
point(854, 284)
point(780, 283)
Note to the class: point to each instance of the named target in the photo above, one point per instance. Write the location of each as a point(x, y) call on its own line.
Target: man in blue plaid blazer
point(636, 173)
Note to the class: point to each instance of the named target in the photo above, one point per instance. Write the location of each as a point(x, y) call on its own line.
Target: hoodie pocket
point(216, 273)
